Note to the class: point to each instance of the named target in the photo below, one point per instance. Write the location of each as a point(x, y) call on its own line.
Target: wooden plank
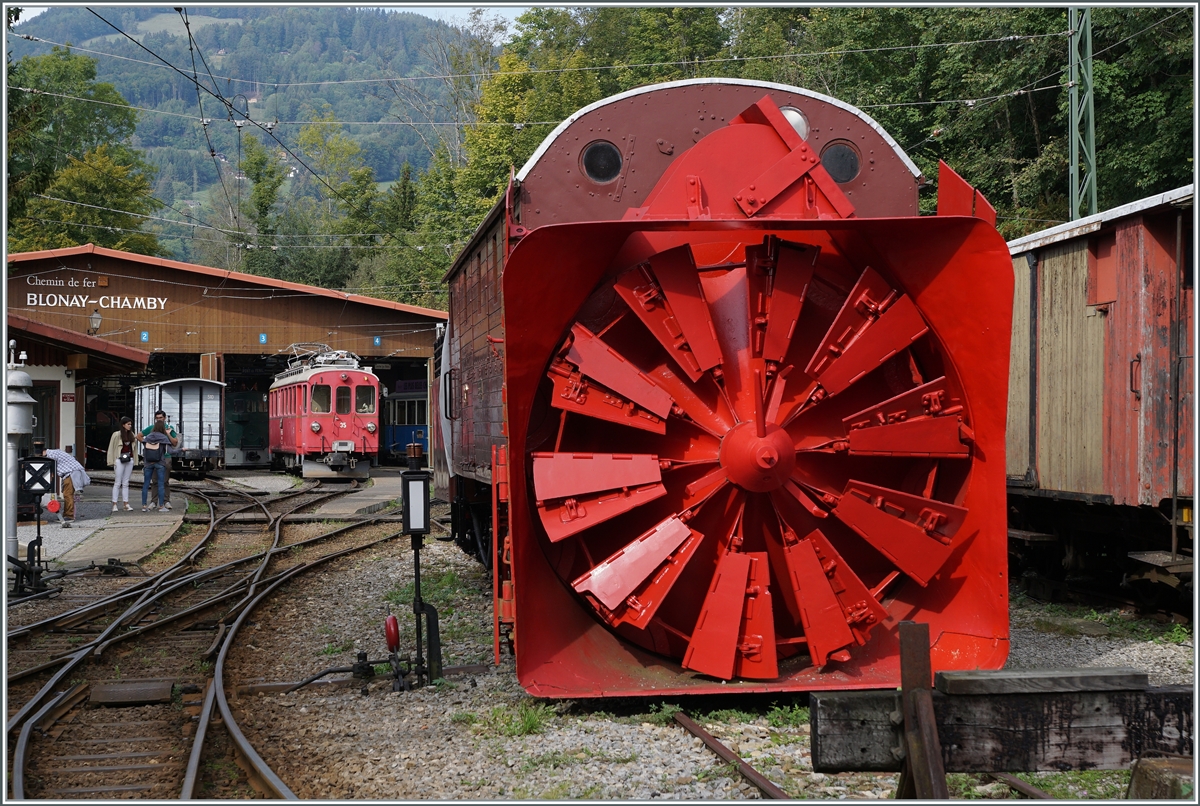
point(1100, 730)
point(1070, 375)
point(1013, 534)
point(1016, 453)
point(141, 693)
point(1020, 681)
point(923, 764)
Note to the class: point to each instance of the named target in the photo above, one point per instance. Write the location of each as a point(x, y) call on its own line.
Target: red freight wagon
point(1101, 394)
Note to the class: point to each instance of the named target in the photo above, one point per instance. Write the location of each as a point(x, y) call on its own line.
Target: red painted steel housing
point(726, 182)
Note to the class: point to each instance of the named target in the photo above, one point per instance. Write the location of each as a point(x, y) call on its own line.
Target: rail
point(261, 770)
point(749, 773)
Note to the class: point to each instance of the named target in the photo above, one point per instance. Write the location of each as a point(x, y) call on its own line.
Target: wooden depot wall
point(161, 306)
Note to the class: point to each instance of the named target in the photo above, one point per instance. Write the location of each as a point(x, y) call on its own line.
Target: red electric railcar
point(324, 415)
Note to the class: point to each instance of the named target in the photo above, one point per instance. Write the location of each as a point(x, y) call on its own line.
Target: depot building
point(96, 323)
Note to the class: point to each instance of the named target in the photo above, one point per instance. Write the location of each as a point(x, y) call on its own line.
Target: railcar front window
point(320, 399)
point(364, 399)
point(343, 400)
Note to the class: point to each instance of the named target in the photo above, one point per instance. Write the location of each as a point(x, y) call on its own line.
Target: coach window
point(320, 399)
point(364, 399)
point(343, 400)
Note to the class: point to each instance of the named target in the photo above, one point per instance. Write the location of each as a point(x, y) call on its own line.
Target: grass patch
point(464, 718)
point(787, 716)
point(438, 589)
point(720, 771)
point(1177, 634)
point(528, 718)
point(338, 649)
point(662, 714)
point(197, 507)
point(557, 792)
point(1088, 785)
point(728, 716)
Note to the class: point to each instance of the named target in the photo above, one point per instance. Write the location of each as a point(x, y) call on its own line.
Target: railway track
point(114, 697)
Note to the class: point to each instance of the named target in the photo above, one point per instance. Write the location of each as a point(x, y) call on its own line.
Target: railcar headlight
point(371, 428)
point(315, 426)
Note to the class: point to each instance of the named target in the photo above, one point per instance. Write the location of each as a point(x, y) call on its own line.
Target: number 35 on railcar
point(324, 415)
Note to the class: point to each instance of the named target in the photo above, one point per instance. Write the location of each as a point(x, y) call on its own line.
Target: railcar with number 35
point(324, 415)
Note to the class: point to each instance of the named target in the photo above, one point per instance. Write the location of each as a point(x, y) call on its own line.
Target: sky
point(509, 12)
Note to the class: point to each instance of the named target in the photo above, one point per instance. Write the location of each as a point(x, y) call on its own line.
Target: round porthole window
point(601, 161)
point(841, 160)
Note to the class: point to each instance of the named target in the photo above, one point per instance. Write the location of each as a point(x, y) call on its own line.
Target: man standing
point(65, 467)
point(160, 416)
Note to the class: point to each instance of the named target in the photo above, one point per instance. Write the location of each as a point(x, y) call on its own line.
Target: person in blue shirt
point(160, 416)
point(154, 454)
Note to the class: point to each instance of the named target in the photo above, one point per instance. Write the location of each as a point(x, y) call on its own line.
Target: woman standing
point(154, 455)
point(122, 453)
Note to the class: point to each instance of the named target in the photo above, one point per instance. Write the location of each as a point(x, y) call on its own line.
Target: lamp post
point(416, 524)
point(94, 322)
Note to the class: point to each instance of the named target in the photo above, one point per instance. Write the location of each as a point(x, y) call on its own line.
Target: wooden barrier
point(1003, 721)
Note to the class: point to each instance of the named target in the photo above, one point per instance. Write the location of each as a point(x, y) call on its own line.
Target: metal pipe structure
point(20, 421)
point(1175, 326)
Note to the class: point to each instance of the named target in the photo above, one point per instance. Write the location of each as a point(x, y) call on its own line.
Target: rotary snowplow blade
point(741, 452)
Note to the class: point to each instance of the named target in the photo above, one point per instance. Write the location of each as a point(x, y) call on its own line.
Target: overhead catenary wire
point(1033, 84)
point(589, 68)
point(233, 232)
point(231, 109)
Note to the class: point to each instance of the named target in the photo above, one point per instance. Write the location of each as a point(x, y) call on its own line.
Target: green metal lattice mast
point(1083, 121)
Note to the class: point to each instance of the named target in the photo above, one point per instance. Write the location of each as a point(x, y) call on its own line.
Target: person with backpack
point(160, 416)
point(122, 453)
point(154, 453)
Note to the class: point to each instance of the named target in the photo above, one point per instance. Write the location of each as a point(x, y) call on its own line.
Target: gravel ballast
point(481, 736)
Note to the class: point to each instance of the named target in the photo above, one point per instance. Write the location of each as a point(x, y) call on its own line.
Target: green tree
point(266, 175)
point(27, 174)
point(96, 199)
point(69, 127)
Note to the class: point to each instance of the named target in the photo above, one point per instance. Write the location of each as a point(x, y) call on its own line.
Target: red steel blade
point(714, 645)
point(932, 399)
point(757, 658)
point(862, 610)
point(642, 293)
point(938, 437)
point(618, 576)
point(924, 421)
point(875, 323)
point(793, 273)
point(578, 395)
point(716, 421)
point(821, 614)
point(915, 533)
point(569, 516)
point(836, 608)
point(609, 368)
point(804, 499)
point(640, 607)
point(676, 273)
point(564, 475)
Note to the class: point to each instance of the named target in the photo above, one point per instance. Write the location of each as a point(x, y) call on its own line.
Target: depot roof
point(225, 274)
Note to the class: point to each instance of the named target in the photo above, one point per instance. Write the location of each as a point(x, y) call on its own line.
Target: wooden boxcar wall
point(476, 360)
point(1098, 310)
